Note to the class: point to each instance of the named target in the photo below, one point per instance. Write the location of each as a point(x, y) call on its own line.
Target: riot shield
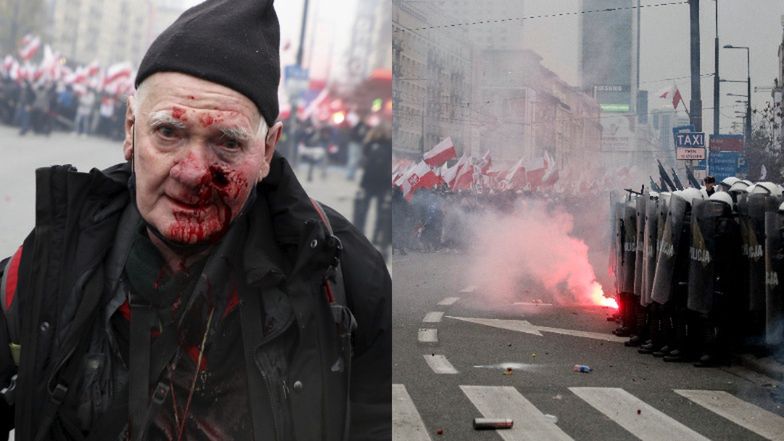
point(706, 217)
point(664, 277)
point(758, 204)
point(629, 250)
point(617, 249)
point(742, 209)
point(639, 248)
point(649, 249)
point(774, 276)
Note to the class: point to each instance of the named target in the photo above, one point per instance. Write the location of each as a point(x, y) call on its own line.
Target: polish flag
point(442, 152)
point(29, 46)
point(485, 163)
point(673, 94)
point(420, 176)
point(516, 176)
point(465, 178)
point(117, 72)
point(8, 61)
point(535, 171)
point(451, 173)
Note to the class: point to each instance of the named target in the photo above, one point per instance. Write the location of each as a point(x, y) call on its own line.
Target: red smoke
point(528, 250)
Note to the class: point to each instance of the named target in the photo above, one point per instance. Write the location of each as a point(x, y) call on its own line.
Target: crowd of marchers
point(440, 219)
point(697, 271)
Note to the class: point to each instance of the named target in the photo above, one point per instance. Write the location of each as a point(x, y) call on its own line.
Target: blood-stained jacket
point(54, 294)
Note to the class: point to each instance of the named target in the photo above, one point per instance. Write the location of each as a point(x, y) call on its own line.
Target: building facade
point(526, 110)
point(431, 80)
point(108, 32)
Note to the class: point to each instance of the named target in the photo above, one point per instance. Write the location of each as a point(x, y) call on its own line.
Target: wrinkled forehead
point(164, 90)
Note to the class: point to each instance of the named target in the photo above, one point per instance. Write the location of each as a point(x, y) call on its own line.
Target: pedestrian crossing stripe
point(406, 423)
point(637, 417)
point(440, 364)
point(649, 424)
point(507, 402)
point(765, 424)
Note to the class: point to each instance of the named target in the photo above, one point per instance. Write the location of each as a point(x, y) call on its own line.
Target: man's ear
point(273, 136)
point(129, 132)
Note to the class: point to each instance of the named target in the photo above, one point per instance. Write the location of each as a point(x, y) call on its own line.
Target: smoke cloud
point(531, 254)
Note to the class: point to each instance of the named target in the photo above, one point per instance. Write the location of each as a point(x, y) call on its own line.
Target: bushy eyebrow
point(236, 133)
point(161, 117)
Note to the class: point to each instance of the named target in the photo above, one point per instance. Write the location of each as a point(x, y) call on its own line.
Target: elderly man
point(195, 292)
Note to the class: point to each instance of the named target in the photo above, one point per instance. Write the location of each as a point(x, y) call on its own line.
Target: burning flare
point(597, 297)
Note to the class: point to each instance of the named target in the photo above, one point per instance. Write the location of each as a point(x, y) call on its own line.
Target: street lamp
point(748, 88)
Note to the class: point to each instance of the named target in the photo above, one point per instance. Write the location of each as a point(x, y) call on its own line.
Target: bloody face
point(196, 156)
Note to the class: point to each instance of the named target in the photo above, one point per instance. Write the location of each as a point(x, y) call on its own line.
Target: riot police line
point(697, 276)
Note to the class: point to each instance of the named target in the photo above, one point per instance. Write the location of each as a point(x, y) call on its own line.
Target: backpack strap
point(335, 292)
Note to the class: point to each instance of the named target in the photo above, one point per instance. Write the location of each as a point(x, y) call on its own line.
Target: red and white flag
point(442, 152)
point(516, 176)
point(29, 47)
point(420, 176)
point(535, 171)
point(451, 173)
point(485, 163)
point(465, 178)
point(673, 94)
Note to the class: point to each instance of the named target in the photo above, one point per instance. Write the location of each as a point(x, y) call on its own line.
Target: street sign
point(726, 143)
point(295, 72)
point(690, 139)
point(724, 164)
point(295, 79)
point(690, 153)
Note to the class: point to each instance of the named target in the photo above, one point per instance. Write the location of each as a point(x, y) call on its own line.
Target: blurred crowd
point(44, 106)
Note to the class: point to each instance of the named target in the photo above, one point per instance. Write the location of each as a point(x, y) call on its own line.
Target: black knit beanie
point(230, 42)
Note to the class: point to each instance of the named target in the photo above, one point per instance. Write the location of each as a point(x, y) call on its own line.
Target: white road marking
point(760, 421)
point(631, 413)
point(449, 301)
point(439, 364)
point(427, 335)
point(506, 402)
point(531, 304)
point(433, 317)
point(528, 328)
point(407, 424)
point(468, 289)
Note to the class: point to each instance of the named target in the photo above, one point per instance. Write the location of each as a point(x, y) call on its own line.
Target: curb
point(765, 365)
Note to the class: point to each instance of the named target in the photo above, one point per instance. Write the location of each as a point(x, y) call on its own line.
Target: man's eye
point(168, 132)
point(230, 143)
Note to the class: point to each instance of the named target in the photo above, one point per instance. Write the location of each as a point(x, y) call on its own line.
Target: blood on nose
point(192, 171)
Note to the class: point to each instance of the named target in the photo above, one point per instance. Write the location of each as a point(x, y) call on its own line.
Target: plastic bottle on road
point(584, 368)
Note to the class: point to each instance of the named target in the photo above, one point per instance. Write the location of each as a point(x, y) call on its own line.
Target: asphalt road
point(627, 396)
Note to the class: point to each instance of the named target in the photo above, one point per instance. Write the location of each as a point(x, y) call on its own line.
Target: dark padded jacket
point(285, 252)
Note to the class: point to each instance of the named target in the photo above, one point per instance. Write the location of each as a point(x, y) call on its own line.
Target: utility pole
point(696, 101)
point(302, 33)
point(716, 93)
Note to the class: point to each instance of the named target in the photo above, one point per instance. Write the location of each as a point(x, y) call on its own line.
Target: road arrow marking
point(528, 328)
point(433, 317)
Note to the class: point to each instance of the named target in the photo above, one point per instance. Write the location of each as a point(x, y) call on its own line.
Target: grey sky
point(665, 46)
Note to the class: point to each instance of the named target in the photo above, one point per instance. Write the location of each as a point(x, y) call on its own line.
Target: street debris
point(440, 431)
point(584, 368)
point(551, 418)
point(509, 367)
point(492, 423)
